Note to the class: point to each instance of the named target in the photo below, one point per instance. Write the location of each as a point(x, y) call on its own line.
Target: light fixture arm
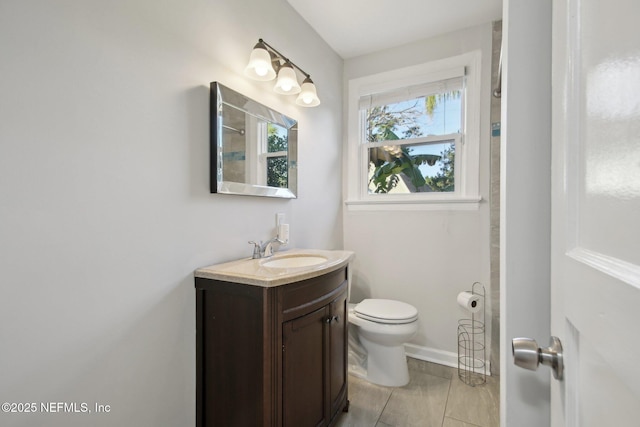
point(281, 56)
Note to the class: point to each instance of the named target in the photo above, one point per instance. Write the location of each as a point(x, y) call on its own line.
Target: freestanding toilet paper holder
point(472, 366)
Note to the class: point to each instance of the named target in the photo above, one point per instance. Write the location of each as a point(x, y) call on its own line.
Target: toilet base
point(386, 365)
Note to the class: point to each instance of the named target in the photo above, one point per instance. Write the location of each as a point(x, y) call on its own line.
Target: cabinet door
point(338, 353)
point(304, 366)
point(233, 376)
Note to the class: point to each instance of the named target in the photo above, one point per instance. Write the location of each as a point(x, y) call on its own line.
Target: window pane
point(277, 138)
point(438, 114)
point(412, 168)
point(277, 171)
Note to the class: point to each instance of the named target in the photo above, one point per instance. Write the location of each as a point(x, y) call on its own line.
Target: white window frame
point(466, 195)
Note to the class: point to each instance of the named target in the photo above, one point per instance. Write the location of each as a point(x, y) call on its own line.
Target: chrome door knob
point(525, 353)
point(528, 355)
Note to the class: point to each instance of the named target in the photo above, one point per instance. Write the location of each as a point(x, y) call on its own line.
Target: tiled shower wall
point(495, 202)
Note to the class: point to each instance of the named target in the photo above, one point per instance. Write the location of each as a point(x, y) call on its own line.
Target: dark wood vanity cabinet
point(271, 356)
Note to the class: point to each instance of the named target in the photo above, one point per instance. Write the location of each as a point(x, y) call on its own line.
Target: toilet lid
point(386, 311)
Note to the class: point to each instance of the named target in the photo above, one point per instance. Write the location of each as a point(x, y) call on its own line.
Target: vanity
point(271, 340)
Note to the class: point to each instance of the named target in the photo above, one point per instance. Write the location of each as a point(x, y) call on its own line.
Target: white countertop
point(253, 271)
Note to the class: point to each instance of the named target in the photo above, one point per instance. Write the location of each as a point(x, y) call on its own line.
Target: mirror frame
point(221, 96)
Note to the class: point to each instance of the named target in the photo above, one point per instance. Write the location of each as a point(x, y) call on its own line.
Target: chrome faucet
point(264, 250)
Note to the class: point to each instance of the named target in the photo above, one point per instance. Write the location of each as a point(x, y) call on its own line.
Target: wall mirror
point(253, 148)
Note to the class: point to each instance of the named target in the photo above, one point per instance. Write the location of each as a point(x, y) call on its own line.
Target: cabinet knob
point(330, 319)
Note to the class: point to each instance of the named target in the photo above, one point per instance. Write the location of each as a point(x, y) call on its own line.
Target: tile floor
point(435, 397)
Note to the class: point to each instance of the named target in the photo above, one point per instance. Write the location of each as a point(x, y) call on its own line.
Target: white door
point(595, 260)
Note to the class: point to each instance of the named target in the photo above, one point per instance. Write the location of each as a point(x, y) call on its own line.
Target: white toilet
point(378, 330)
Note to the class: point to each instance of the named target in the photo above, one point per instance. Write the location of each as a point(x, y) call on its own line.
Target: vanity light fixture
point(265, 63)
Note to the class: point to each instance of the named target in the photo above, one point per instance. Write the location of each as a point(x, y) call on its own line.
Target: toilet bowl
point(378, 330)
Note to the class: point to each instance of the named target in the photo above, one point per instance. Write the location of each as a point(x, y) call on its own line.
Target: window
point(413, 135)
point(410, 138)
point(268, 159)
point(276, 160)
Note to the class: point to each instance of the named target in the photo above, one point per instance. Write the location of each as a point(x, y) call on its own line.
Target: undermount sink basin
point(295, 261)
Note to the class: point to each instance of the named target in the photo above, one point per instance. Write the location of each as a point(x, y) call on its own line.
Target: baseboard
point(433, 355)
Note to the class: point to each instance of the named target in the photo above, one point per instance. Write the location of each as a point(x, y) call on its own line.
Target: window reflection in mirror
point(275, 156)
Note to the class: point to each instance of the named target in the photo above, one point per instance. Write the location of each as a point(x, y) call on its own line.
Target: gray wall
point(426, 257)
point(105, 209)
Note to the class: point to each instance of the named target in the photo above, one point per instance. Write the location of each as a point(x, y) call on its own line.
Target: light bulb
point(261, 70)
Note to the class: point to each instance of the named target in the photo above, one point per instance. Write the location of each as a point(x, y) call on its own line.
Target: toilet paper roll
point(469, 301)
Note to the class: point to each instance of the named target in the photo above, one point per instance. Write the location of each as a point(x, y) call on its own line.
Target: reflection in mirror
point(253, 148)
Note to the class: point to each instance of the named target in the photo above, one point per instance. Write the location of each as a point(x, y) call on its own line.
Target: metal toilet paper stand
point(472, 367)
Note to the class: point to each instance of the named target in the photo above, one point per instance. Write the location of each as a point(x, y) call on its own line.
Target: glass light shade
point(287, 83)
point(260, 67)
point(308, 96)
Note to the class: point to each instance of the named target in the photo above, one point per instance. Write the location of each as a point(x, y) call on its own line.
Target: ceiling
point(358, 27)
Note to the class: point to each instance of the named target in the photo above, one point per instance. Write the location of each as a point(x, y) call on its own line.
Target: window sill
point(431, 204)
